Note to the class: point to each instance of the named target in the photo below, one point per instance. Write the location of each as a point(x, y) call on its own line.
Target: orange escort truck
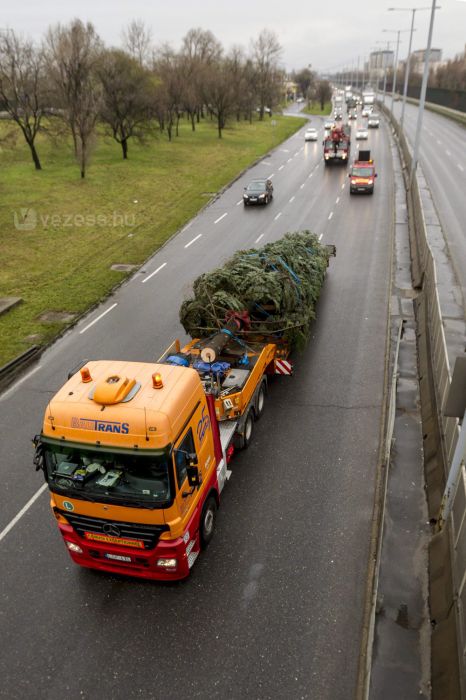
point(136, 454)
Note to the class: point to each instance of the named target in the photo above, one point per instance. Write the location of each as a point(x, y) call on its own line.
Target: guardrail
point(425, 278)
point(11, 370)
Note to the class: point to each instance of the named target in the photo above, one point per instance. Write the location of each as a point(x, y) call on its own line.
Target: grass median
point(60, 235)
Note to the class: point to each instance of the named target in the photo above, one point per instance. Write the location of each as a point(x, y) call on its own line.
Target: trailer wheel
point(260, 401)
point(248, 429)
point(208, 518)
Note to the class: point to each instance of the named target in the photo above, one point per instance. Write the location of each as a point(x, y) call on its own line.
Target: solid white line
point(221, 217)
point(460, 167)
point(98, 318)
point(186, 227)
point(292, 199)
point(278, 216)
point(193, 240)
point(13, 388)
point(330, 215)
point(281, 167)
point(146, 279)
point(301, 186)
point(337, 200)
point(238, 203)
point(258, 239)
point(320, 237)
point(23, 510)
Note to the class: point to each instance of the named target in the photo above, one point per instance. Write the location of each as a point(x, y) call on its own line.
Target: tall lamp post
point(398, 32)
point(408, 59)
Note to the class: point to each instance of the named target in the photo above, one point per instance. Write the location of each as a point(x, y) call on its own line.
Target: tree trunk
point(35, 156)
point(193, 121)
point(124, 147)
point(219, 123)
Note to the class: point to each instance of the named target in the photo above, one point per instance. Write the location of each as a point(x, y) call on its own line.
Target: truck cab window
point(185, 448)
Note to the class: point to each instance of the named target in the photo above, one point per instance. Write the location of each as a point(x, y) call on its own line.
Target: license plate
point(117, 557)
point(253, 199)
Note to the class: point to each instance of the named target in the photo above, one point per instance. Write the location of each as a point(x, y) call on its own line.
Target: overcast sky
point(327, 35)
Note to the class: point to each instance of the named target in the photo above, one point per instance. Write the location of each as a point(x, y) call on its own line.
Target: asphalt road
point(273, 608)
point(443, 160)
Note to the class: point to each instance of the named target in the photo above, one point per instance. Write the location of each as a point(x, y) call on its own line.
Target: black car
point(258, 192)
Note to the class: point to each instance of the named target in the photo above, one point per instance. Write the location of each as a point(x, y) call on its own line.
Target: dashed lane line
point(320, 237)
point(221, 217)
point(23, 510)
point(337, 200)
point(281, 167)
point(89, 325)
point(278, 216)
point(460, 167)
point(238, 203)
point(301, 186)
point(292, 199)
point(193, 240)
point(160, 267)
point(330, 215)
point(258, 239)
point(271, 176)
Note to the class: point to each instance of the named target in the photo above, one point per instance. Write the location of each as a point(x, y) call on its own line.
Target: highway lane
point(274, 607)
point(443, 160)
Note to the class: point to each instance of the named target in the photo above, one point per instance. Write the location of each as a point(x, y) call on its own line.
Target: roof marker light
point(86, 375)
point(157, 382)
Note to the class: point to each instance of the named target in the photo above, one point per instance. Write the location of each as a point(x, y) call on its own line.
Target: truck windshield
point(135, 479)
point(361, 172)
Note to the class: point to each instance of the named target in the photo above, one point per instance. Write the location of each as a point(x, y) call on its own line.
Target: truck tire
point(208, 519)
point(260, 400)
point(243, 440)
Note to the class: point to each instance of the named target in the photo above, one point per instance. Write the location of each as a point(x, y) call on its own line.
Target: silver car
point(362, 134)
point(311, 134)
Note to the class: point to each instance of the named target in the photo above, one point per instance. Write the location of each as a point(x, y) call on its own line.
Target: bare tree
point(199, 50)
point(267, 52)
point(218, 92)
point(323, 92)
point(127, 97)
point(137, 40)
point(22, 86)
point(73, 52)
point(169, 69)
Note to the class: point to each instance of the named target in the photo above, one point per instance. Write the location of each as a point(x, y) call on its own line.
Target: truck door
point(184, 448)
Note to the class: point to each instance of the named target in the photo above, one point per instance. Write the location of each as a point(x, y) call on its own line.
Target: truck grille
point(149, 534)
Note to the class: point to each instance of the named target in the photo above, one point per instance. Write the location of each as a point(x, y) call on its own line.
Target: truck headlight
point(74, 547)
point(167, 563)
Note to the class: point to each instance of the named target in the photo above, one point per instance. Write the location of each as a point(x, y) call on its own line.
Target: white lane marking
point(301, 186)
point(221, 217)
point(278, 216)
point(266, 163)
point(146, 279)
point(310, 175)
point(98, 318)
point(13, 388)
point(343, 186)
point(460, 167)
point(330, 215)
point(193, 240)
point(337, 200)
point(186, 227)
point(289, 160)
point(271, 176)
point(439, 142)
point(448, 153)
point(292, 199)
point(281, 167)
point(296, 154)
point(258, 239)
point(284, 150)
point(238, 203)
point(23, 510)
point(320, 237)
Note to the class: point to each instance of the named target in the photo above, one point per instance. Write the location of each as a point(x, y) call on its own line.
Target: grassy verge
point(316, 109)
point(121, 213)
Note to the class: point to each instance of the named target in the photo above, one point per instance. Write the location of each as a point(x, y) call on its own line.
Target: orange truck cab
point(136, 454)
point(362, 174)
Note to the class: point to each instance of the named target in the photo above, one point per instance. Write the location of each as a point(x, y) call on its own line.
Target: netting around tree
point(278, 285)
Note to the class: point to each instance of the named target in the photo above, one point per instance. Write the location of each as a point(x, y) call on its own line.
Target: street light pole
point(422, 98)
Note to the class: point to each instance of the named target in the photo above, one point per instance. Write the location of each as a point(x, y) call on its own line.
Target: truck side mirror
point(193, 476)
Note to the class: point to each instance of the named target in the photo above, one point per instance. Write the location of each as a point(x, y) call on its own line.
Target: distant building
point(379, 61)
point(418, 60)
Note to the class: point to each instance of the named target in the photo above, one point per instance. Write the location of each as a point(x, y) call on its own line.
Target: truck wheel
point(248, 429)
point(260, 401)
point(208, 518)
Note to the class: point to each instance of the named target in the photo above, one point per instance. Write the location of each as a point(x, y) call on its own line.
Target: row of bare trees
point(72, 80)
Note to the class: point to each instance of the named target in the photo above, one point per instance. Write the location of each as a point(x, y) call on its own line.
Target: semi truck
point(337, 145)
point(136, 454)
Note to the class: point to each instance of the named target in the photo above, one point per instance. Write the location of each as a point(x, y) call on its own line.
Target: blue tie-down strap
point(217, 368)
point(177, 360)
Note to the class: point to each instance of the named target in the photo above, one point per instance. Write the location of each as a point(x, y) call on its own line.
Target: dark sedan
point(258, 192)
